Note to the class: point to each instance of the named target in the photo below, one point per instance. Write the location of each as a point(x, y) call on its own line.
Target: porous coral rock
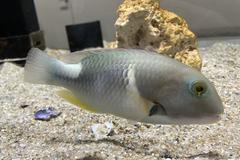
point(143, 24)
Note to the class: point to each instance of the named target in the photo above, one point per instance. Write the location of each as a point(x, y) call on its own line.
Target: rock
point(191, 58)
point(143, 24)
point(46, 114)
point(110, 44)
point(101, 131)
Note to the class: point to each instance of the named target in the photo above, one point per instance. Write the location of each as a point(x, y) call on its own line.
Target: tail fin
point(39, 67)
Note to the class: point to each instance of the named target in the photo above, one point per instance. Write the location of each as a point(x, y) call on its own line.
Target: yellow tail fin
point(69, 96)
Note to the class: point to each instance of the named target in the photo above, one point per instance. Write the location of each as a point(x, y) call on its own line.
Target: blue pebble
point(46, 114)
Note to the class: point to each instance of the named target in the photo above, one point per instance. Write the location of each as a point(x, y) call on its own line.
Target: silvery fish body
point(129, 83)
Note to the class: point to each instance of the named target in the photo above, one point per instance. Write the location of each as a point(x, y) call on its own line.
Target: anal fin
point(70, 97)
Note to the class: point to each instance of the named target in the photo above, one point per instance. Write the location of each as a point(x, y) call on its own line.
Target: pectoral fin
point(70, 97)
point(157, 109)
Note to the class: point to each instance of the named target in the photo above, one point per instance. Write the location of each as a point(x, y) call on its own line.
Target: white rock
point(101, 131)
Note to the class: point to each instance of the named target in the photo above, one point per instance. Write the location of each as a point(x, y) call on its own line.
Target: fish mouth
point(181, 120)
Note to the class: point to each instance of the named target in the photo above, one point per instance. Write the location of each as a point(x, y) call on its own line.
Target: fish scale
point(104, 82)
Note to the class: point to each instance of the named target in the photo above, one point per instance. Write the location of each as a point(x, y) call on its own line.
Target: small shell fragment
point(46, 114)
point(24, 106)
point(102, 130)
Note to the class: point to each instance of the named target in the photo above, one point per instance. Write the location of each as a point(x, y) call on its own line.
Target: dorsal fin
point(76, 57)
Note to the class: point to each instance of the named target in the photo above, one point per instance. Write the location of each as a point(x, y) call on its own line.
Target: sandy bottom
point(69, 136)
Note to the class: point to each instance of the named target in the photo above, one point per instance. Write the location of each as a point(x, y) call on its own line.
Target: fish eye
point(198, 88)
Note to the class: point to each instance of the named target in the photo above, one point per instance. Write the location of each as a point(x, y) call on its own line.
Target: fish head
point(187, 99)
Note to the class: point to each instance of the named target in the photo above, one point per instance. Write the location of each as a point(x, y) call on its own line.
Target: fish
point(134, 84)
